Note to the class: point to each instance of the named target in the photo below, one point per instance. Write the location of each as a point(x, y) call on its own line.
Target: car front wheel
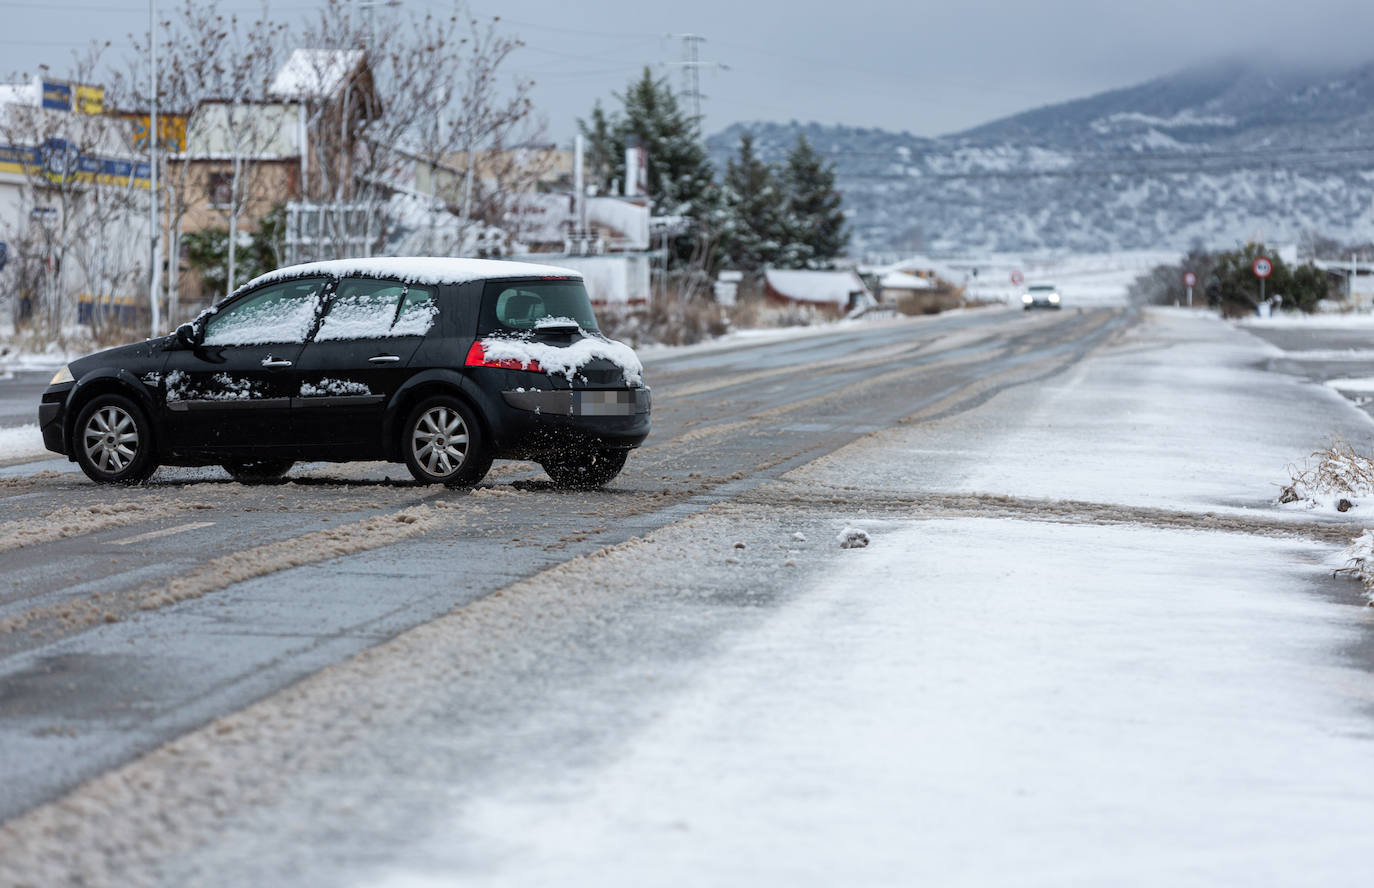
point(585, 470)
point(113, 441)
point(443, 443)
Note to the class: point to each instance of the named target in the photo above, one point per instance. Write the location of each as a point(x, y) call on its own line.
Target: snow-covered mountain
point(1216, 154)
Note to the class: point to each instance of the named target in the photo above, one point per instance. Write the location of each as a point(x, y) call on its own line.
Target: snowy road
point(1082, 623)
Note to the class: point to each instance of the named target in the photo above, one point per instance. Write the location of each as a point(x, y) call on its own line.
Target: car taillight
point(477, 357)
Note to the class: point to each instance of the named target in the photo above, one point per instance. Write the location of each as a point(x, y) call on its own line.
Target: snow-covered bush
point(1336, 477)
point(1359, 560)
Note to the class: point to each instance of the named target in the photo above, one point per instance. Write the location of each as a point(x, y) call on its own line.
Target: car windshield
point(1042, 288)
point(521, 306)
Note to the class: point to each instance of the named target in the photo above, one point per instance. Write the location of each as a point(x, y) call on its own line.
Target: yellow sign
point(171, 131)
point(88, 99)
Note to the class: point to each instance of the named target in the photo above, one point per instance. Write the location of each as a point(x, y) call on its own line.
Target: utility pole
point(154, 224)
point(691, 66)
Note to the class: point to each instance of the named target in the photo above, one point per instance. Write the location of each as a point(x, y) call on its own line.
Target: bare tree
point(429, 88)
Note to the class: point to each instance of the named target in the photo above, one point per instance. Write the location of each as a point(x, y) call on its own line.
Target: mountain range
point(1216, 154)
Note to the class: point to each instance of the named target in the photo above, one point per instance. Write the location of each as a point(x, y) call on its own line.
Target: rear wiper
point(557, 327)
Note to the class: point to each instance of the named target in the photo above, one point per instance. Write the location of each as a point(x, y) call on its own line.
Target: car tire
point(113, 441)
point(586, 469)
point(443, 443)
point(257, 471)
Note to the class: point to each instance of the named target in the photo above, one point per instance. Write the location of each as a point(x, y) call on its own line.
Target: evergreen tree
point(814, 218)
point(680, 174)
point(756, 234)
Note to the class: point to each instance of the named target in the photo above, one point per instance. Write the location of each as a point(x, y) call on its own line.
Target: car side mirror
point(188, 335)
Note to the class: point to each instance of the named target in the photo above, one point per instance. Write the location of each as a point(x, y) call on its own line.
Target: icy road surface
point(1082, 646)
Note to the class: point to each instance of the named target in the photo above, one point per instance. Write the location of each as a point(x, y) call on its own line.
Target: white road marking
point(166, 531)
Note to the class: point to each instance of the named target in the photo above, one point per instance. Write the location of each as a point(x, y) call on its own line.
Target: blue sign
point(4, 254)
point(57, 96)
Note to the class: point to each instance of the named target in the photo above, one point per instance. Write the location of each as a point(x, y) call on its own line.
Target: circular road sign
point(1189, 279)
point(1017, 278)
point(1262, 267)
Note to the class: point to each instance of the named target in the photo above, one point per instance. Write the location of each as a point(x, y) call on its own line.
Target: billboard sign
point(57, 96)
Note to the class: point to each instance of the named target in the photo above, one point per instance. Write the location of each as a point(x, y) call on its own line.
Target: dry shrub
point(1339, 471)
point(1359, 561)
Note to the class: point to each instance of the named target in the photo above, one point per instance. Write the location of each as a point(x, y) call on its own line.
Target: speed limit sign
point(1189, 279)
point(1017, 278)
point(1262, 267)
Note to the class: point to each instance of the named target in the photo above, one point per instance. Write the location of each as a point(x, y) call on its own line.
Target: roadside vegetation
point(1226, 281)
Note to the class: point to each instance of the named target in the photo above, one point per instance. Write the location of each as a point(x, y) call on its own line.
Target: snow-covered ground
point(20, 443)
point(973, 702)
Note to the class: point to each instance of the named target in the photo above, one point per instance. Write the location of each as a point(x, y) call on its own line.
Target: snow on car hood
point(566, 360)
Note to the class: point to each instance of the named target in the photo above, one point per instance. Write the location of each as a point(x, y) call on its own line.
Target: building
point(828, 292)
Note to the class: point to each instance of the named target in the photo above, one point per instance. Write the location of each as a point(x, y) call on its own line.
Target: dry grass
point(1337, 470)
point(1359, 561)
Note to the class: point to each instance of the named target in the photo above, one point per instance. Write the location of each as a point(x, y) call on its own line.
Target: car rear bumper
point(528, 422)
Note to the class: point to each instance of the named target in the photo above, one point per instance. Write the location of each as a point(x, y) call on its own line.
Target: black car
point(444, 364)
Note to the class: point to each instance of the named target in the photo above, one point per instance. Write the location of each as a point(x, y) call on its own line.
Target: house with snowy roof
point(831, 292)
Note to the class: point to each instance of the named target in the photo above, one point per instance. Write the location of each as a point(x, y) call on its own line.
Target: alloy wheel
point(439, 441)
point(111, 439)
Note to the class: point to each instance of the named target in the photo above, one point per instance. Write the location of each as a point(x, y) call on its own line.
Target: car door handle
point(384, 359)
point(275, 362)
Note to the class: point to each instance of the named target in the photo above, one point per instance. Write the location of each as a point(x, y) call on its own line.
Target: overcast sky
point(926, 67)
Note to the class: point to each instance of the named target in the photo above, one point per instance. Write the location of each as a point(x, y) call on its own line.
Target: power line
point(691, 66)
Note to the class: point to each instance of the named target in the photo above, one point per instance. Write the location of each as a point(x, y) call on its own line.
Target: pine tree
point(814, 217)
point(681, 179)
point(680, 174)
point(756, 234)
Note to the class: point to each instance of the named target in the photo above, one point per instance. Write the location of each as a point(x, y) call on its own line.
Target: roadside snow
point(1361, 384)
point(21, 442)
point(1179, 413)
point(939, 711)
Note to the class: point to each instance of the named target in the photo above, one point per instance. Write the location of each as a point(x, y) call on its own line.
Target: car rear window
point(518, 306)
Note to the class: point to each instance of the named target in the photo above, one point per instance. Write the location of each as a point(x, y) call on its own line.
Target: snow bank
point(1336, 478)
point(942, 711)
point(566, 360)
point(21, 442)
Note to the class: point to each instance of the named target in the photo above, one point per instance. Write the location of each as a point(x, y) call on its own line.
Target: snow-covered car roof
point(416, 270)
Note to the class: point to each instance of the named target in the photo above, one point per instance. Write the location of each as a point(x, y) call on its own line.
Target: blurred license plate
point(611, 403)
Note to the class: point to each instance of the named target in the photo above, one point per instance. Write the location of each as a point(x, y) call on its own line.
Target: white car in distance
point(1040, 296)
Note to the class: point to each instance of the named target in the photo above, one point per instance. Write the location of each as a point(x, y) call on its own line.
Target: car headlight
point(1026, 298)
point(63, 375)
point(1054, 297)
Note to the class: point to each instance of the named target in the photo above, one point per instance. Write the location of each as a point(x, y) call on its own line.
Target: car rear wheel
point(443, 443)
point(587, 469)
point(114, 441)
point(256, 471)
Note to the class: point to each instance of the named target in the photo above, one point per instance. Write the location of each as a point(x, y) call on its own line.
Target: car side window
point(281, 312)
point(419, 308)
point(363, 308)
